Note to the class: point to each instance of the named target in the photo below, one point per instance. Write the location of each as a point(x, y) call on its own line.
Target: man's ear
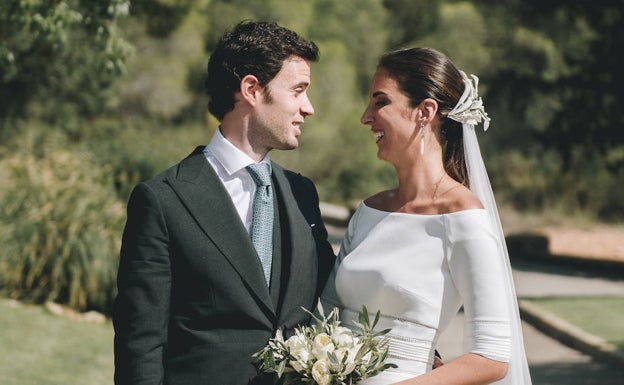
point(250, 89)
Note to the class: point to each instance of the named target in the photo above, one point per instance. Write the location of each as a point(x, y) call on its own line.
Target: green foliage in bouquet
point(326, 353)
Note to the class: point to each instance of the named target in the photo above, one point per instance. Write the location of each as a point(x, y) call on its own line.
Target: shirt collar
point(231, 157)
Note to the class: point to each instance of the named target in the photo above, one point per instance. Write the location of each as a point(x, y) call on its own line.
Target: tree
point(55, 51)
point(162, 16)
point(558, 76)
point(359, 26)
point(410, 20)
point(593, 93)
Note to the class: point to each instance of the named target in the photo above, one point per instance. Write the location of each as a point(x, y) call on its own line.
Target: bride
point(422, 250)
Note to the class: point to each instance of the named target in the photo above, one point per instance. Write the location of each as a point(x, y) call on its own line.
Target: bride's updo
point(423, 73)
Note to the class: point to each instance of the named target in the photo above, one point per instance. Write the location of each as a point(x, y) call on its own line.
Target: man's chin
point(289, 146)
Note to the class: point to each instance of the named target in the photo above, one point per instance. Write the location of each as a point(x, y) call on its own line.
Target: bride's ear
point(428, 110)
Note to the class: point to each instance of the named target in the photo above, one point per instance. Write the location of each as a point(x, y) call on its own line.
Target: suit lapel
point(200, 189)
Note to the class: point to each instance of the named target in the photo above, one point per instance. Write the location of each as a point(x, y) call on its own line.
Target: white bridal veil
point(469, 111)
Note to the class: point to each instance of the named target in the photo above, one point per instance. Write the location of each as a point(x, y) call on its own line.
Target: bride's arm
point(468, 369)
point(477, 273)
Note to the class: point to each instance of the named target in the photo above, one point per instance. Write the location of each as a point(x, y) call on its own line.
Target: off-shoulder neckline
point(452, 213)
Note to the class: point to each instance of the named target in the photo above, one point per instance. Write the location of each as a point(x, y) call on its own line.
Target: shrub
point(537, 183)
point(527, 183)
point(132, 151)
point(60, 228)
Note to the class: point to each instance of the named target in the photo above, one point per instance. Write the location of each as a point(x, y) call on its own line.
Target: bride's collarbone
point(454, 198)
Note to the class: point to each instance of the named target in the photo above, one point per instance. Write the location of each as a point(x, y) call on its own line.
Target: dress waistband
point(413, 350)
point(406, 340)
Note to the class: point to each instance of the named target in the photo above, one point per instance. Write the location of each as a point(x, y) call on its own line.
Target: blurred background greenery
point(96, 95)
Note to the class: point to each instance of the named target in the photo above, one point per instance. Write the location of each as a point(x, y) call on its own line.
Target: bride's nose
point(366, 117)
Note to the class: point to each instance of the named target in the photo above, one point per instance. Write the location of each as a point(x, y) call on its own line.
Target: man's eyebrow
point(378, 93)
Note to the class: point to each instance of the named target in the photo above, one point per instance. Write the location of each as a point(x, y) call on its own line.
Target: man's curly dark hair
point(251, 48)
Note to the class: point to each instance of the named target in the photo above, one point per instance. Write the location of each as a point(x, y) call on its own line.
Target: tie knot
point(260, 174)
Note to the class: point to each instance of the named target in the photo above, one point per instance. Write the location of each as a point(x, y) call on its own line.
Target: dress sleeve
point(477, 269)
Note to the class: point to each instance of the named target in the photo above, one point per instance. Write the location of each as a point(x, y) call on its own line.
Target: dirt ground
point(601, 243)
point(569, 236)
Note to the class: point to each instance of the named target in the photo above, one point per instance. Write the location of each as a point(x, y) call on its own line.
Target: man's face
point(283, 108)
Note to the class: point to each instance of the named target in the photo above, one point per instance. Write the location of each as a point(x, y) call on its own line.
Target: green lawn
point(601, 316)
point(38, 348)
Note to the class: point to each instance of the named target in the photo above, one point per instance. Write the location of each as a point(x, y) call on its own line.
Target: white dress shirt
point(229, 163)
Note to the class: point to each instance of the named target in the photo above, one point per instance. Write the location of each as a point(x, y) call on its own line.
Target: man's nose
point(307, 108)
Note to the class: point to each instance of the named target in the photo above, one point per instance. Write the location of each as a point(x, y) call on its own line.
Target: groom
point(195, 300)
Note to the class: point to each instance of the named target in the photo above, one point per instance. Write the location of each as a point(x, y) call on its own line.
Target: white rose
point(343, 336)
point(296, 343)
point(322, 345)
point(297, 346)
point(321, 373)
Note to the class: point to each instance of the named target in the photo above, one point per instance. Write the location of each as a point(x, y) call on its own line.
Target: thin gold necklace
point(437, 185)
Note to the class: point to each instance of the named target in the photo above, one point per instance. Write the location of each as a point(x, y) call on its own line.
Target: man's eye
point(381, 103)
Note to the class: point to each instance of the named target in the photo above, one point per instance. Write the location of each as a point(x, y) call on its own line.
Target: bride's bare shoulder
point(382, 200)
point(462, 199)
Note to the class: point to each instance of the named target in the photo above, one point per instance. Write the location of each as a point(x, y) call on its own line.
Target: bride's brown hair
point(423, 73)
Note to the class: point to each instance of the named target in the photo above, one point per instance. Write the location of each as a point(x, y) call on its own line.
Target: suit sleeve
point(325, 252)
point(141, 309)
point(329, 296)
point(308, 201)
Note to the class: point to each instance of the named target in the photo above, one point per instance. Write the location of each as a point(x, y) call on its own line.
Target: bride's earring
point(422, 138)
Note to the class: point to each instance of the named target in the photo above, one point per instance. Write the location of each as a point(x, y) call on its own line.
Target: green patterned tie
point(262, 222)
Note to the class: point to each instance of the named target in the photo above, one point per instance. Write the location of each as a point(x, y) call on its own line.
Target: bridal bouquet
point(326, 353)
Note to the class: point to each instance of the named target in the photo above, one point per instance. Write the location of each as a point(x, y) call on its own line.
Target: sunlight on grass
point(600, 316)
point(37, 348)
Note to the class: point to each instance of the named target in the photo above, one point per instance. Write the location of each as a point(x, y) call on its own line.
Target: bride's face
point(393, 122)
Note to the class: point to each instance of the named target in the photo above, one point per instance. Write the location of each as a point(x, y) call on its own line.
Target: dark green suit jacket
point(192, 304)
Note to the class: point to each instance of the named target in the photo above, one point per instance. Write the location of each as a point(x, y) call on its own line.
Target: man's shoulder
point(173, 171)
point(292, 176)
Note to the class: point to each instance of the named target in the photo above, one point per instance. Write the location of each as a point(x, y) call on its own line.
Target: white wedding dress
point(418, 270)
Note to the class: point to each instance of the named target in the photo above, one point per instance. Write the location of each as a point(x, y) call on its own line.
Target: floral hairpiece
point(469, 108)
